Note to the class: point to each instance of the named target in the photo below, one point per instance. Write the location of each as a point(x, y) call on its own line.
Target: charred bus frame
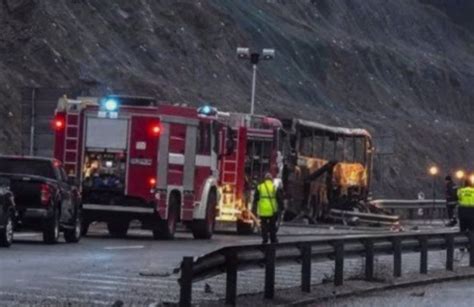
point(325, 168)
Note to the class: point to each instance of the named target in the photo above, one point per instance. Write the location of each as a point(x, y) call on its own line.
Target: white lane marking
point(112, 282)
point(142, 279)
point(124, 247)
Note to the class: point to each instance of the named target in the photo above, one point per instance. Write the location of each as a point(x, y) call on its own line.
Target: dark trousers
point(268, 229)
point(450, 208)
point(466, 218)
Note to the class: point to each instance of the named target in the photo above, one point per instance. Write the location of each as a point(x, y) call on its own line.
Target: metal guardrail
point(230, 260)
point(409, 203)
point(409, 209)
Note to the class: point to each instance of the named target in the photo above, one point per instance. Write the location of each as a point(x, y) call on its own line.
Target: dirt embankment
point(401, 68)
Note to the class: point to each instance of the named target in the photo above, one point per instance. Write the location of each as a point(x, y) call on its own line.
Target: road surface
point(136, 270)
point(101, 270)
point(457, 293)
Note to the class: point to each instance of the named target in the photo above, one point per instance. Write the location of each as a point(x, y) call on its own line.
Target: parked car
point(45, 198)
point(7, 213)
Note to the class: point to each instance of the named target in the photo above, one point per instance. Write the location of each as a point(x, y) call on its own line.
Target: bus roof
point(333, 129)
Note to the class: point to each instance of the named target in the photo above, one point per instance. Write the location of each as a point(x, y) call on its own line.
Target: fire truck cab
point(137, 160)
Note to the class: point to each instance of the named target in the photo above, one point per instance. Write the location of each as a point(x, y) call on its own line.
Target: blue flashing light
point(206, 109)
point(111, 105)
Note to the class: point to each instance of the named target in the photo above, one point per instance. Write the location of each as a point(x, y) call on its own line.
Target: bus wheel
point(203, 229)
point(165, 229)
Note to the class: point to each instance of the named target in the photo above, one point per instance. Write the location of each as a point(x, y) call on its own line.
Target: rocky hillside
point(401, 68)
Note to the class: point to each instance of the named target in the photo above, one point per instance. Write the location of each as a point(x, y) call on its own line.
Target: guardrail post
point(471, 248)
point(231, 279)
point(369, 259)
point(339, 263)
point(269, 271)
point(449, 252)
point(186, 282)
point(397, 257)
point(423, 241)
point(306, 268)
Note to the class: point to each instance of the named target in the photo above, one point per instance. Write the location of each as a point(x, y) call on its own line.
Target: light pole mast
point(254, 57)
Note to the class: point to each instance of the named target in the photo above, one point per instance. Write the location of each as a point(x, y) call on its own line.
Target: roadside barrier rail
point(231, 259)
point(409, 203)
point(414, 208)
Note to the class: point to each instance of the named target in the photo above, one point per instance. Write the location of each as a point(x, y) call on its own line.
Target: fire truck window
point(258, 159)
point(204, 139)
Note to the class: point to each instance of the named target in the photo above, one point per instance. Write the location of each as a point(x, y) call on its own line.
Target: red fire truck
point(162, 164)
point(256, 140)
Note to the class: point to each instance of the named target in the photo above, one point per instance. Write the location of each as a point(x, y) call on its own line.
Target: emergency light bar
point(111, 105)
point(207, 110)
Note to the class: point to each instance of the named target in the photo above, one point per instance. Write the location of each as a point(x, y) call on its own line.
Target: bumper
point(36, 213)
point(125, 209)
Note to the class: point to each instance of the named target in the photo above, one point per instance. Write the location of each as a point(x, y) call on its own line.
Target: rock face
point(400, 68)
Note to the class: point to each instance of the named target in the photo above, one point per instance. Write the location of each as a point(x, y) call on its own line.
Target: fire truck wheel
point(85, 227)
point(51, 229)
point(165, 229)
point(118, 229)
point(74, 235)
point(203, 229)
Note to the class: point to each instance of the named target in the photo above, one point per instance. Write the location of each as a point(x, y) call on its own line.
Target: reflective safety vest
point(466, 197)
point(267, 202)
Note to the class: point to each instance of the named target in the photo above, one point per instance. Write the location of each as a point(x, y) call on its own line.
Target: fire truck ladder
point(230, 166)
point(72, 142)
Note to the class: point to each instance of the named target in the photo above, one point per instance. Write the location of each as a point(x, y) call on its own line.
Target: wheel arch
point(200, 210)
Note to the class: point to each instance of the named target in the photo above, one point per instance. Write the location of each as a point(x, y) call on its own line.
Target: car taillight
point(152, 182)
point(45, 194)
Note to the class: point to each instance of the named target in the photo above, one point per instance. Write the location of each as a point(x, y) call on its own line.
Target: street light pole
point(254, 57)
point(433, 172)
point(254, 83)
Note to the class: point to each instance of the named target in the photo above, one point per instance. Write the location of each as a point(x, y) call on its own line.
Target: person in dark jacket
point(451, 201)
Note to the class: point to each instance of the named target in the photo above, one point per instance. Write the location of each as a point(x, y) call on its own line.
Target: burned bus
point(326, 169)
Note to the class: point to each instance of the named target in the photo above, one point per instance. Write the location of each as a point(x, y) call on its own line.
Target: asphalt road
point(100, 270)
point(443, 294)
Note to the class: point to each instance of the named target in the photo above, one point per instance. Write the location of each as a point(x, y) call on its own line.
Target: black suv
point(46, 200)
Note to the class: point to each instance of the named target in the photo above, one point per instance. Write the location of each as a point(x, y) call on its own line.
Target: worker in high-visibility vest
point(265, 198)
point(466, 206)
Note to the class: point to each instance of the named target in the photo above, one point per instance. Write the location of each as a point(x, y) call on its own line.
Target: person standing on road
point(451, 201)
point(265, 198)
point(466, 206)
